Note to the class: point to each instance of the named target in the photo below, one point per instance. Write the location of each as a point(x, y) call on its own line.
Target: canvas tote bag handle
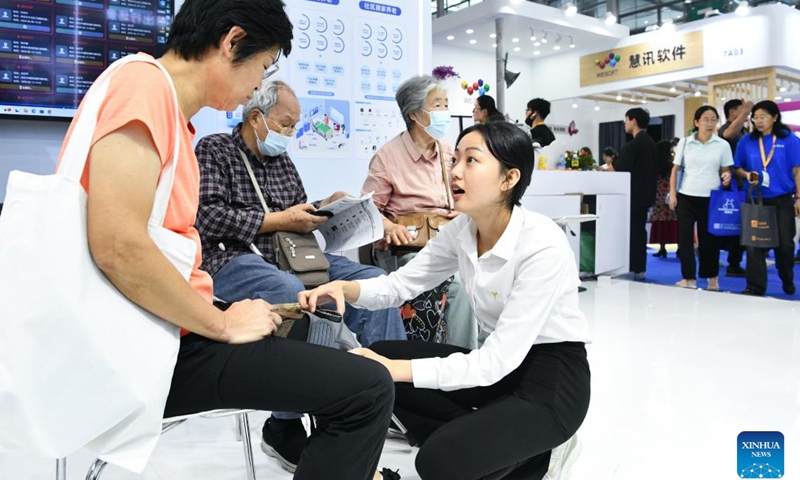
point(76, 153)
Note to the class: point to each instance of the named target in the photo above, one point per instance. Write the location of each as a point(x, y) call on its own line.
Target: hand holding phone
point(321, 213)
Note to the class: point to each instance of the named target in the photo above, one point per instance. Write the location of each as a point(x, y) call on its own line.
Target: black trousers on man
point(638, 239)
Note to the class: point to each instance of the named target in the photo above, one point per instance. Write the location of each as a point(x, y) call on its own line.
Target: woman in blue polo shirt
point(704, 158)
point(770, 157)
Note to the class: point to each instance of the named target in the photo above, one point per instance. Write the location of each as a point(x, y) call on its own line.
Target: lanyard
point(766, 160)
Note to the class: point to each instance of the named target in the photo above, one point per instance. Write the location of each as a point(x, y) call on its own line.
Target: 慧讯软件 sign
point(671, 54)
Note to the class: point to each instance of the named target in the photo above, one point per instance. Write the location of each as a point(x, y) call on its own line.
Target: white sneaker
point(562, 458)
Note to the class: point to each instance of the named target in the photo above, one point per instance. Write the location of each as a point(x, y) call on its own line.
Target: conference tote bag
point(724, 210)
point(759, 222)
point(80, 364)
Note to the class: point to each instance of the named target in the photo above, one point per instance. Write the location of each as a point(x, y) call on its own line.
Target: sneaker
point(284, 440)
point(387, 474)
point(735, 271)
point(789, 288)
point(562, 458)
point(752, 292)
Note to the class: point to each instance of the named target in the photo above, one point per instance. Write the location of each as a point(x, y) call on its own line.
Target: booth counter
point(559, 194)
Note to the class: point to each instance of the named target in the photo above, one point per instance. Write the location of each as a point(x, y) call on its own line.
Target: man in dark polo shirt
point(736, 112)
point(638, 157)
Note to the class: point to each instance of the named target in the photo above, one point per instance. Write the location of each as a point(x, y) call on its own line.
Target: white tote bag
point(80, 364)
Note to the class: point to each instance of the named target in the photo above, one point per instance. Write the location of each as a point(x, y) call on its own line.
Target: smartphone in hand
point(321, 213)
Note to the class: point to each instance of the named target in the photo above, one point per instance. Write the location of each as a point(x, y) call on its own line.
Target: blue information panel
point(52, 50)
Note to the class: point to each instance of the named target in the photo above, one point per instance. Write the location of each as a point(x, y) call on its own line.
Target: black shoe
point(284, 440)
point(735, 271)
point(660, 253)
point(751, 291)
point(789, 288)
point(390, 475)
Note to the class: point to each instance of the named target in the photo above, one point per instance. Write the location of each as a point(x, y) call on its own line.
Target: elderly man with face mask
point(231, 218)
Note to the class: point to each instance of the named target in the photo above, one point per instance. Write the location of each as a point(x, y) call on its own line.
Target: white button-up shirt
point(524, 291)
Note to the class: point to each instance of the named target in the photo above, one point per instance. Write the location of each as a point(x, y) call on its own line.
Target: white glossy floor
point(677, 375)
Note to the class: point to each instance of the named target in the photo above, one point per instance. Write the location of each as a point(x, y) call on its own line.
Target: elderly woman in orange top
point(411, 174)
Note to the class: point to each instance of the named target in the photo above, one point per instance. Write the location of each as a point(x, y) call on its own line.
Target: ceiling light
point(723, 99)
point(672, 88)
point(571, 9)
point(537, 52)
point(571, 42)
point(537, 44)
point(646, 22)
point(516, 49)
point(492, 35)
point(787, 99)
point(473, 41)
point(544, 38)
point(633, 97)
point(778, 97)
point(697, 93)
point(556, 47)
point(574, 104)
point(596, 107)
point(533, 35)
point(611, 19)
point(470, 31)
point(644, 100)
point(687, 1)
point(450, 37)
point(619, 96)
point(515, 40)
point(743, 8)
point(494, 45)
point(782, 87)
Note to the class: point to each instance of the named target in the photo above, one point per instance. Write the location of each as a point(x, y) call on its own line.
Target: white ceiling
point(519, 19)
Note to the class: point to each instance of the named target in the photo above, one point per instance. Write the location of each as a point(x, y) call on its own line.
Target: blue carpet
point(667, 271)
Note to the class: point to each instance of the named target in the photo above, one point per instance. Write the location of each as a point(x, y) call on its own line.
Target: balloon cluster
point(611, 59)
point(480, 86)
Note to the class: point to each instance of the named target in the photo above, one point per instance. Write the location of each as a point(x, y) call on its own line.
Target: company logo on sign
point(611, 60)
point(760, 455)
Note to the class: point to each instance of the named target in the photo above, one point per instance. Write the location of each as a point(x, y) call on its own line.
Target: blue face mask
point(275, 143)
point(440, 123)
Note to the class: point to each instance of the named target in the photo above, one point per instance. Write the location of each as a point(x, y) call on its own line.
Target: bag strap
point(76, 152)
point(683, 163)
point(757, 188)
point(447, 190)
point(734, 183)
point(253, 179)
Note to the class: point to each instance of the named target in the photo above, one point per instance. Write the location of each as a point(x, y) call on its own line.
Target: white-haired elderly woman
point(411, 173)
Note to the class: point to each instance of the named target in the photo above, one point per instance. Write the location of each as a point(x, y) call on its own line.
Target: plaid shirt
point(230, 212)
